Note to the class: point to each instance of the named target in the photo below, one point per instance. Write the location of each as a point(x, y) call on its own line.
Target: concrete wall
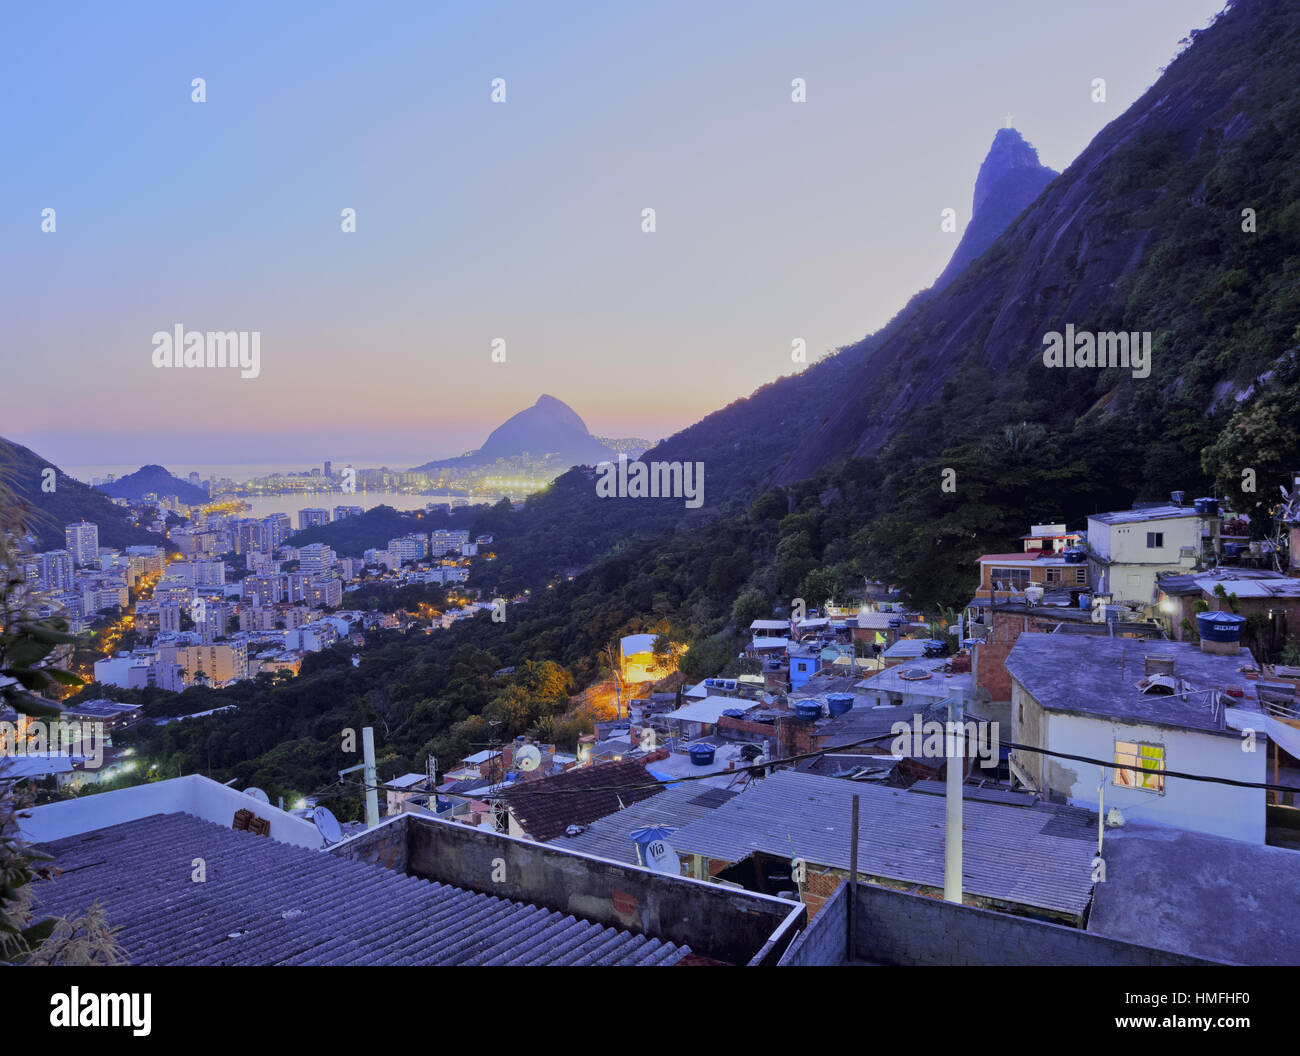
point(738, 927)
point(1029, 726)
point(825, 940)
point(894, 927)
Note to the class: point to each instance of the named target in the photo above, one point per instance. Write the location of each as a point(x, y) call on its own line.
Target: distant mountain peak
point(1009, 179)
point(1009, 151)
point(550, 427)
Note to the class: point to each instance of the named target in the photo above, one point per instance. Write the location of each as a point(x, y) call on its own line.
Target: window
point(1053, 575)
point(1150, 757)
point(1017, 578)
point(1081, 577)
point(1155, 540)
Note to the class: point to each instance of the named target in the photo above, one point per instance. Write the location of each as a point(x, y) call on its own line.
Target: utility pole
point(956, 771)
point(369, 776)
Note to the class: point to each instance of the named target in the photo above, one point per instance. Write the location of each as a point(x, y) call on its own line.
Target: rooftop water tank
point(1074, 555)
point(1085, 601)
point(1207, 507)
point(808, 711)
point(839, 703)
point(1219, 626)
point(644, 837)
point(702, 754)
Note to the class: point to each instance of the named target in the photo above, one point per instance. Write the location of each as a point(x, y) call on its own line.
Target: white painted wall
point(193, 794)
point(1221, 810)
point(1131, 575)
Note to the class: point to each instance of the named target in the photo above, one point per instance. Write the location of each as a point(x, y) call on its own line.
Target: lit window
point(1151, 759)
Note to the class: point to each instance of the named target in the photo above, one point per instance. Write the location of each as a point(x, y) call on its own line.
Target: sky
point(478, 220)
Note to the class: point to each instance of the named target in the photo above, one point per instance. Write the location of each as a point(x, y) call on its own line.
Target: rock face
point(1072, 256)
point(1009, 180)
point(550, 429)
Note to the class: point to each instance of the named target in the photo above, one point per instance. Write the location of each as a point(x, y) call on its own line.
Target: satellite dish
point(528, 758)
point(661, 857)
point(257, 794)
point(327, 825)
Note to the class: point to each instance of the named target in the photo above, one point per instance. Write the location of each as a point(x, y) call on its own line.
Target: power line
point(525, 789)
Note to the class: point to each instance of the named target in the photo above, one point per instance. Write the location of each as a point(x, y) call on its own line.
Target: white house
point(1128, 548)
point(1151, 705)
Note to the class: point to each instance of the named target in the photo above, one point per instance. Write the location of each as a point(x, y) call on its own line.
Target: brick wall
point(991, 655)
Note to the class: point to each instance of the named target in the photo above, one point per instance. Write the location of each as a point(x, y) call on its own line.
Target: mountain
point(1143, 233)
point(745, 444)
point(548, 430)
point(1009, 180)
point(153, 480)
point(70, 501)
point(1180, 220)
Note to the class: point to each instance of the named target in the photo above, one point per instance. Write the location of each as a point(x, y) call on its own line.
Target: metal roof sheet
point(1038, 857)
point(265, 902)
point(610, 836)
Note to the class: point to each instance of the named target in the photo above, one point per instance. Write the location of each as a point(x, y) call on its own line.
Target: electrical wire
point(525, 789)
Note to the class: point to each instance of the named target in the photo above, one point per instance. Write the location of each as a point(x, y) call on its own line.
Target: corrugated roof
point(1037, 857)
point(609, 837)
point(1148, 513)
point(272, 903)
point(710, 709)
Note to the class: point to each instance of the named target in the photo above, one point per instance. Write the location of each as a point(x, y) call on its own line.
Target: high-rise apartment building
point(83, 543)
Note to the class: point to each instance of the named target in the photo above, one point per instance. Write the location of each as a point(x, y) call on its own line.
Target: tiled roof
point(547, 807)
point(265, 902)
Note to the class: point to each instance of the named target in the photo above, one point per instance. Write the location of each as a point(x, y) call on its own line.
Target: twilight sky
point(479, 220)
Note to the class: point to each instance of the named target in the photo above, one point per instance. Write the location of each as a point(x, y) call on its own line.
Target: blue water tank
point(1232, 549)
point(1074, 555)
point(644, 837)
point(735, 713)
point(839, 703)
point(702, 754)
point(808, 711)
point(1085, 601)
point(1207, 507)
point(1219, 626)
